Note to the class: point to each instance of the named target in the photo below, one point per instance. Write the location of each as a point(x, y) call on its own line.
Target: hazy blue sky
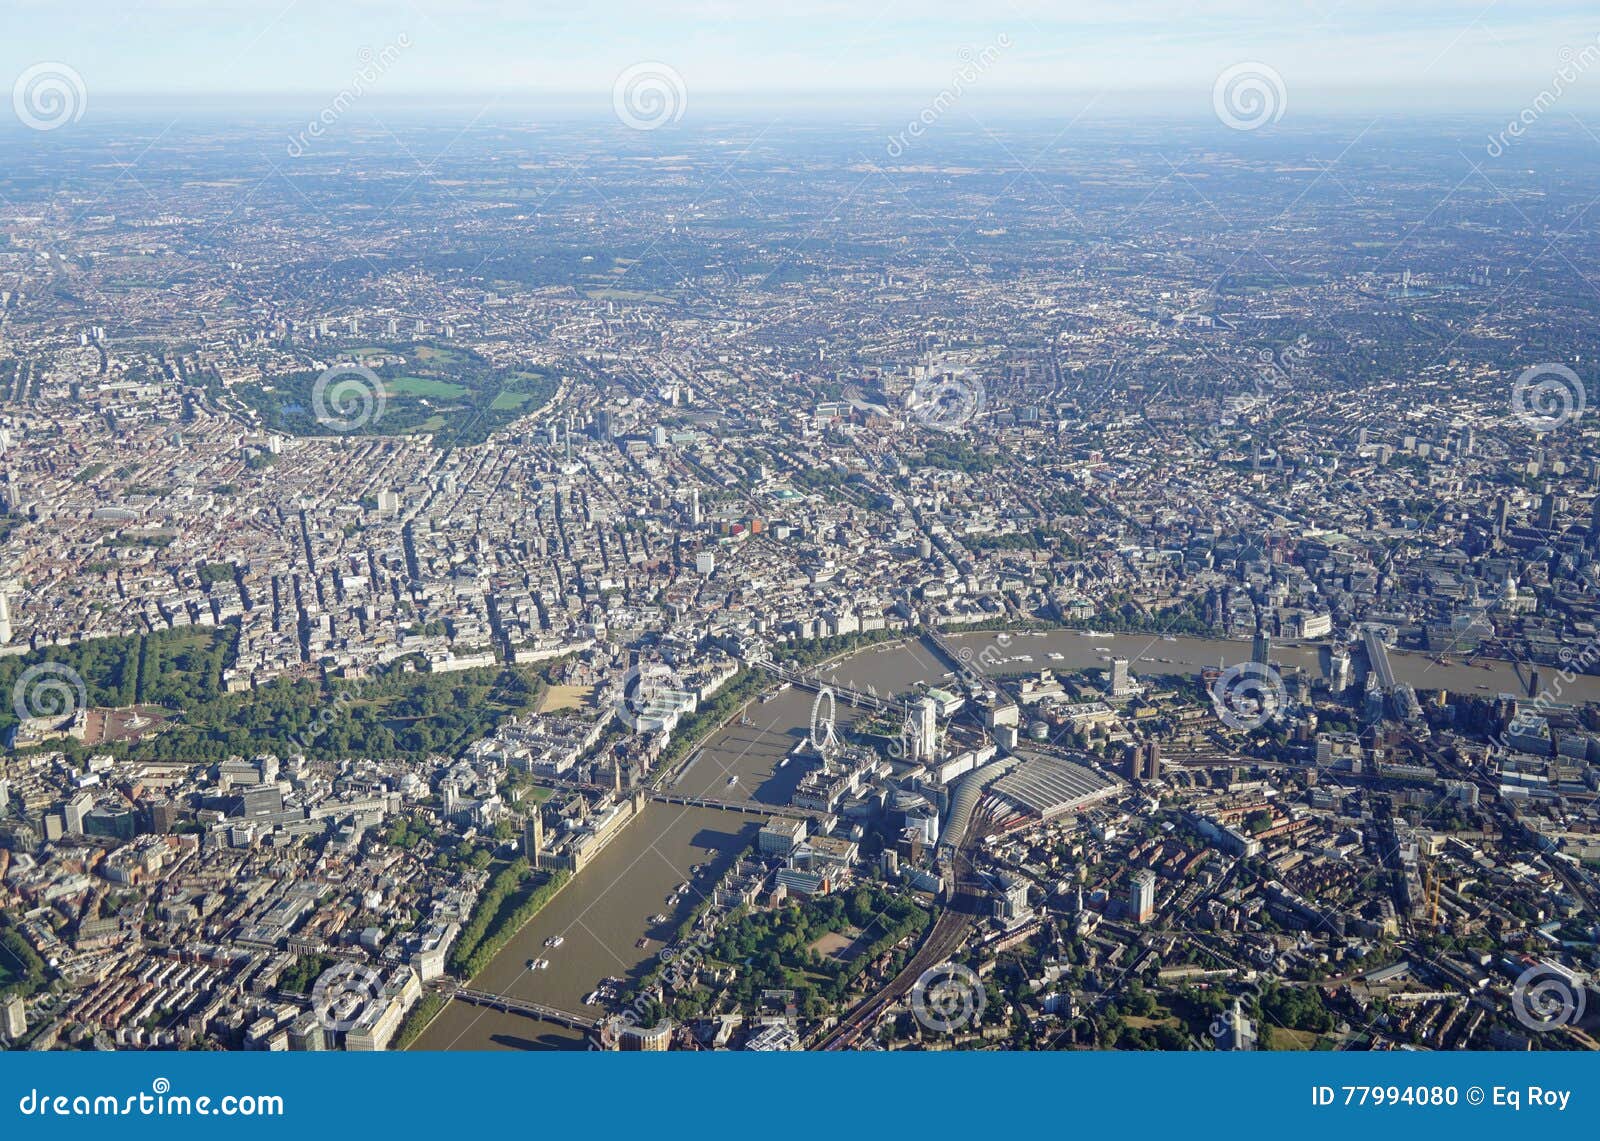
point(1419, 52)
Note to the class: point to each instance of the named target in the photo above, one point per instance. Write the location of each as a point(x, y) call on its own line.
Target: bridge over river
point(523, 1006)
point(855, 698)
point(755, 807)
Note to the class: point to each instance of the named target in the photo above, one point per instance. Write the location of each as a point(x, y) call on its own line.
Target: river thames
point(605, 912)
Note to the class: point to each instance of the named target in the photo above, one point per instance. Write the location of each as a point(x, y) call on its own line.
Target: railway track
point(943, 940)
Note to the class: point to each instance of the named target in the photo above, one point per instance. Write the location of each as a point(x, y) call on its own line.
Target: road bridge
point(532, 1009)
point(849, 695)
point(752, 806)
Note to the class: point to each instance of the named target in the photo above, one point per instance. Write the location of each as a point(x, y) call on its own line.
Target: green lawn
point(451, 393)
point(424, 386)
point(433, 353)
